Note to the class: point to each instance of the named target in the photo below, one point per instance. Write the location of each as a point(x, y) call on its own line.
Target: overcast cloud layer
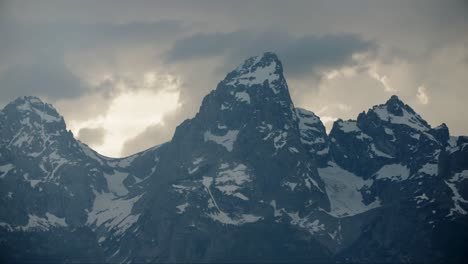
point(125, 73)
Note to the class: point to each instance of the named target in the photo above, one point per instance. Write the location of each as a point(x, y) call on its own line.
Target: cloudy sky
point(124, 74)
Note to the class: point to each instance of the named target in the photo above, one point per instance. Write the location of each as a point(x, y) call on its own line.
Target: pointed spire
point(249, 94)
point(258, 70)
point(25, 105)
point(260, 61)
point(396, 111)
point(395, 105)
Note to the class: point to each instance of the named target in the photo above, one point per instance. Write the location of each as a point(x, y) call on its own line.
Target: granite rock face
point(250, 178)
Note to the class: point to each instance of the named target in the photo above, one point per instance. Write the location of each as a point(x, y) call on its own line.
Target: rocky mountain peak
point(395, 105)
point(262, 70)
point(32, 104)
point(268, 61)
point(30, 110)
point(250, 178)
point(394, 112)
point(252, 95)
point(30, 126)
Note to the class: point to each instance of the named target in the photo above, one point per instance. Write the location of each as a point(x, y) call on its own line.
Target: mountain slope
point(250, 178)
point(406, 165)
point(53, 186)
point(225, 169)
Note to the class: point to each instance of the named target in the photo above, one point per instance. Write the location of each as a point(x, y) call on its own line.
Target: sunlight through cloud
point(129, 114)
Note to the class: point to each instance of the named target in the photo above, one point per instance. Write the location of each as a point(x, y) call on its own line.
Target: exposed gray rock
point(250, 178)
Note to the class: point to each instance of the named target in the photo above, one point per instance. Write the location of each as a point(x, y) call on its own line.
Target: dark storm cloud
point(300, 55)
point(410, 43)
point(52, 80)
point(208, 44)
point(32, 56)
point(330, 51)
point(54, 39)
point(92, 136)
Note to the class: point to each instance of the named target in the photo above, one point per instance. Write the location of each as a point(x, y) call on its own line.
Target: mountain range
point(250, 178)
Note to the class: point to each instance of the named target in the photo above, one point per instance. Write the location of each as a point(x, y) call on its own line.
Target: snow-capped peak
point(31, 125)
point(256, 71)
point(256, 87)
point(394, 111)
point(26, 106)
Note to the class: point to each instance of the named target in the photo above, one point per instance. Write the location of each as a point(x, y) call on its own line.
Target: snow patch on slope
point(237, 220)
point(181, 208)
point(259, 75)
point(393, 172)
point(230, 179)
point(307, 120)
point(36, 223)
point(305, 223)
point(343, 190)
point(112, 212)
point(349, 126)
point(243, 97)
point(457, 198)
point(430, 169)
point(379, 153)
point(45, 117)
point(227, 140)
point(407, 119)
point(4, 169)
point(232, 176)
point(115, 183)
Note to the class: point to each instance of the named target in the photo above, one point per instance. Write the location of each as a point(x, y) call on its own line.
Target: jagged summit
point(33, 108)
point(29, 101)
point(32, 127)
point(259, 61)
point(395, 99)
point(265, 69)
point(249, 174)
point(395, 111)
point(255, 92)
point(396, 106)
point(28, 98)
